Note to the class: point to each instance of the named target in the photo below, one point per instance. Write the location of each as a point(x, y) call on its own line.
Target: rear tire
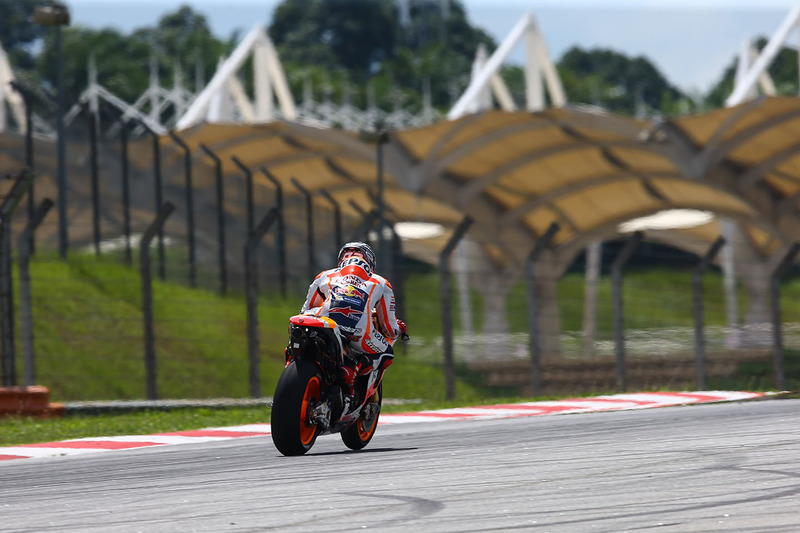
point(299, 387)
point(360, 433)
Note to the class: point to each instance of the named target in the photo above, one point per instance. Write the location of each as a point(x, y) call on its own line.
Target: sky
point(690, 41)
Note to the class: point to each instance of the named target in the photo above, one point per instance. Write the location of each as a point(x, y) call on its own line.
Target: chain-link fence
point(82, 325)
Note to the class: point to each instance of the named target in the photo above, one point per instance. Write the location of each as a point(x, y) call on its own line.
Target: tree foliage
point(615, 81)
point(181, 41)
point(356, 35)
point(18, 32)
point(357, 51)
point(361, 43)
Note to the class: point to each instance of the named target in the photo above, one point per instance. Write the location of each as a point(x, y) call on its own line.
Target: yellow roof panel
point(643, 161)
point(604, 203)
point(698, 195)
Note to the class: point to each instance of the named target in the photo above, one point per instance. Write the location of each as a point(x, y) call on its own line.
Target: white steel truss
point(751, 71)
point(746, 82)
point(158, 98)
point(9, 96)
point(224, 94)
point(539, 72)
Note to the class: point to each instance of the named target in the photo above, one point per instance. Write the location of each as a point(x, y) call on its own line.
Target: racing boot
point(347, 377)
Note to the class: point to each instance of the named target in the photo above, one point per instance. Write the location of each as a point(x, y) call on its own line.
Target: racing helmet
point(358, 246)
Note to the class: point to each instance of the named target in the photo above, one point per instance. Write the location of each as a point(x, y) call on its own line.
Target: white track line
point(644, 400)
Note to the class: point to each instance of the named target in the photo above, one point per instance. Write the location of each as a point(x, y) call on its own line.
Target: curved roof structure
point(335, 161)
point(587, 171)
point(516, 173)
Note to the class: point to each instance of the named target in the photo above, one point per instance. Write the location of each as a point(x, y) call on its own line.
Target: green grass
point(88, 334)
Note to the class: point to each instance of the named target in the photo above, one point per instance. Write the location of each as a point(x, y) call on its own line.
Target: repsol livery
point(347, 295)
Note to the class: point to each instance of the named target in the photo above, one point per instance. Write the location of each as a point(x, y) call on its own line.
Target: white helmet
point(358, 246)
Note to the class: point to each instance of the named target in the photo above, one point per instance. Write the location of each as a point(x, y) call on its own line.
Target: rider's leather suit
point(348, 295)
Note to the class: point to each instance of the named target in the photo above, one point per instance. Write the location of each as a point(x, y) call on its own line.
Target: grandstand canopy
point(335, 161)
point(589, 171)
point(515, 173)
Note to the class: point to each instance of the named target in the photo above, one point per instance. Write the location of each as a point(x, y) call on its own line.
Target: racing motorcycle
point(309, 400)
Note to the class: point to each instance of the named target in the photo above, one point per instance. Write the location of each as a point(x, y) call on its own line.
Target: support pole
point(159, 193)
point(447, 319)
point(61, 169)
point(383, 138)
point(151, 381)
point(223, 271)
point(281, 228)
point(775, 300)
point(593, 263)
point(7, 348)
point(368, 220)
point(248, 174)
point(309, 227)
point(462, 266)
point(533, 308)
point(398, 277)
point(728, 259)
point(337, 218)
point(95, 179)
point(26, 101)
point(699, 324)
point(25, 306)
point(251, 287)
point(616, 290)
point(126, 192)
point(187, 166)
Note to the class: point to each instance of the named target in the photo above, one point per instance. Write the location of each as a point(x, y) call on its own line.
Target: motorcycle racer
point(362, 303)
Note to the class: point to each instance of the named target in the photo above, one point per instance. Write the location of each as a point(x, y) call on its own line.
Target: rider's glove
point(403, 328)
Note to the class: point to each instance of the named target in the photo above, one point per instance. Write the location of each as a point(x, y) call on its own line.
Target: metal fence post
point(337, 217)
point(151, 381)
point(25, 306)
point(367, 221)
point(159, 192)
point(775, 301)
point(447, 320)
point(699, 325)
point(7, 207)
point(223, 272)
point(281, 237)
point(249, 192)
point(126, 192)
point(533, 308)
point(309, 227)
point(26, 100)
point(251, 290)
point(95, 179)
point(616, 293)
point(187, 165)
point(398, 276)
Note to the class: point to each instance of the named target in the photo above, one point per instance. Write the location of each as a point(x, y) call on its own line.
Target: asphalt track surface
point(710, 467)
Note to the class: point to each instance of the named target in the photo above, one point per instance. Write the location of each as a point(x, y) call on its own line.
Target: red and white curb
point(616, 402)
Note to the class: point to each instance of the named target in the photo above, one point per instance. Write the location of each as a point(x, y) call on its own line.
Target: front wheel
point(299, 389)
point(361, 431)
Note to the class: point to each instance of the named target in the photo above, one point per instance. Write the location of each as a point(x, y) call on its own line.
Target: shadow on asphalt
point(366, 450)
